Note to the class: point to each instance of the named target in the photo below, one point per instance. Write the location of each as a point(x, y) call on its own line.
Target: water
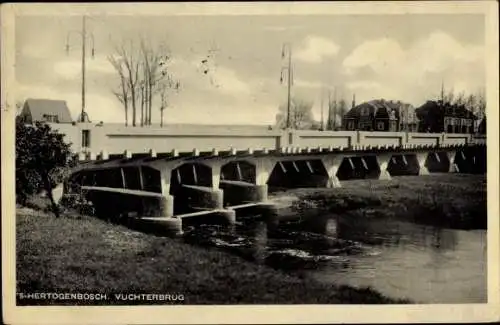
point(400, 259)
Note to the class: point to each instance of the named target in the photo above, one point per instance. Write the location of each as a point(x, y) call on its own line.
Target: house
point(436, 116)
point(381, 115)
point(45, 110)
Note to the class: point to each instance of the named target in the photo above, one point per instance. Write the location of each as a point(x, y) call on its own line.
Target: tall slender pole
point(83, 34)
point(289, 84)
point(84, 38)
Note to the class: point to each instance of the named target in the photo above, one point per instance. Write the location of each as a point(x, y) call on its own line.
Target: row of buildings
point(435, 116)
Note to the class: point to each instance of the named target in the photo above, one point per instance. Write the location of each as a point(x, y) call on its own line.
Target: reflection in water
point(426, 264)
point(260, 242)
point(400, 259)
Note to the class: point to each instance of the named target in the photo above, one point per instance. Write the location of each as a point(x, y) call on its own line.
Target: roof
point(457, 111)
point(380, 105)
point(40, 107)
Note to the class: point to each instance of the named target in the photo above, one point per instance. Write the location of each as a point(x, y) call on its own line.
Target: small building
point(381, 115)
point(45, 110)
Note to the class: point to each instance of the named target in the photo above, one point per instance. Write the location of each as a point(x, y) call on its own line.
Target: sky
point(400, 57)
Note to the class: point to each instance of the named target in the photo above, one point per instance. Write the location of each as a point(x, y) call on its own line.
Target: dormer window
point(50, 118)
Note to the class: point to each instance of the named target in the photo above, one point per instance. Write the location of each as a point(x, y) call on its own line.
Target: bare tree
point(342, 107)
point(301, 116)
point(163, 102)
point(332, 111)
point(481, 104)
point(123, 94)
point(127, 66)
point(143, 100)
point(143, 74)
point(154, 74)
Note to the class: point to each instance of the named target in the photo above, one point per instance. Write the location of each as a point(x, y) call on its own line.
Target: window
point(350, 125)
point(380, 126)
point(85, 138)
point(51, 118)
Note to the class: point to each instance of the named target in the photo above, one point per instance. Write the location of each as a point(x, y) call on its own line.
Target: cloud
point(316, 48)
point(72, 68)
point(377, 54)
point(416, 72)
point(308, 84)
point(208, 77)
point(362, 84)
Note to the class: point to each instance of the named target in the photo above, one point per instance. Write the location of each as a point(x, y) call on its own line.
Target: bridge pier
point(451, 158)
point(167, 205)
point(247, 186)
point(383, 162)
point(332, 164)
point(422, 159)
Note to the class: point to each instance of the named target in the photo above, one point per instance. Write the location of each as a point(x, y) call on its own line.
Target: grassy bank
point(85, 254)
point(448, 200)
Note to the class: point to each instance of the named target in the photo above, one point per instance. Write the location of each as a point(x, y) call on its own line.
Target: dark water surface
point(400, 259)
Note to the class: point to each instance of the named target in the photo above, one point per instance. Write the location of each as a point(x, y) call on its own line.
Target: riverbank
point(456, 201)
point(83, 254)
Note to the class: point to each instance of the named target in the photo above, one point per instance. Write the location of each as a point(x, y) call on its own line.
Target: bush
point(43, 160)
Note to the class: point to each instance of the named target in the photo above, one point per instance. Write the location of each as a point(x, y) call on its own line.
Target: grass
point(74, 254)
point(455, 201)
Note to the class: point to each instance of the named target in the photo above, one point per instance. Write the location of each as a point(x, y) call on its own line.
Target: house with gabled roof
point(45, 110)
point(438, 116)
point(381, 115)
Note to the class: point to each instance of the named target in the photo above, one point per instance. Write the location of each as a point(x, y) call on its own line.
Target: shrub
point(43, 160)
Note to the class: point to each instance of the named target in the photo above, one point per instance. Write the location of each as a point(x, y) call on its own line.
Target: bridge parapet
point(113, 139)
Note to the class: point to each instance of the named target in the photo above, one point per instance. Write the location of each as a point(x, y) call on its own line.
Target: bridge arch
point(197, 174)
point(298, 173)
point(239, 170)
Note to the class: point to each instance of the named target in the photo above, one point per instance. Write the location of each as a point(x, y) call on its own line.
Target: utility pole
point(84, 36)
point(289, 83)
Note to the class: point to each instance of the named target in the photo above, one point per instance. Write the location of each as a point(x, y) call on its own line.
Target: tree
point(143, 72)
point(123, 94)
point(332, 112)
point(301, 116)
point(342, 107)
point(126, 64)
point(43, 160)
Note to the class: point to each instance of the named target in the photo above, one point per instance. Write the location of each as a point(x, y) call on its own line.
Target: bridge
point(163, 176)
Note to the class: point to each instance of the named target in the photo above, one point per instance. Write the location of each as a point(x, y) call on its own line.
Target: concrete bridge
point(180, 177)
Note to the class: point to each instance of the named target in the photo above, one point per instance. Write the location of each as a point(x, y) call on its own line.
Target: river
point(400, 259)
